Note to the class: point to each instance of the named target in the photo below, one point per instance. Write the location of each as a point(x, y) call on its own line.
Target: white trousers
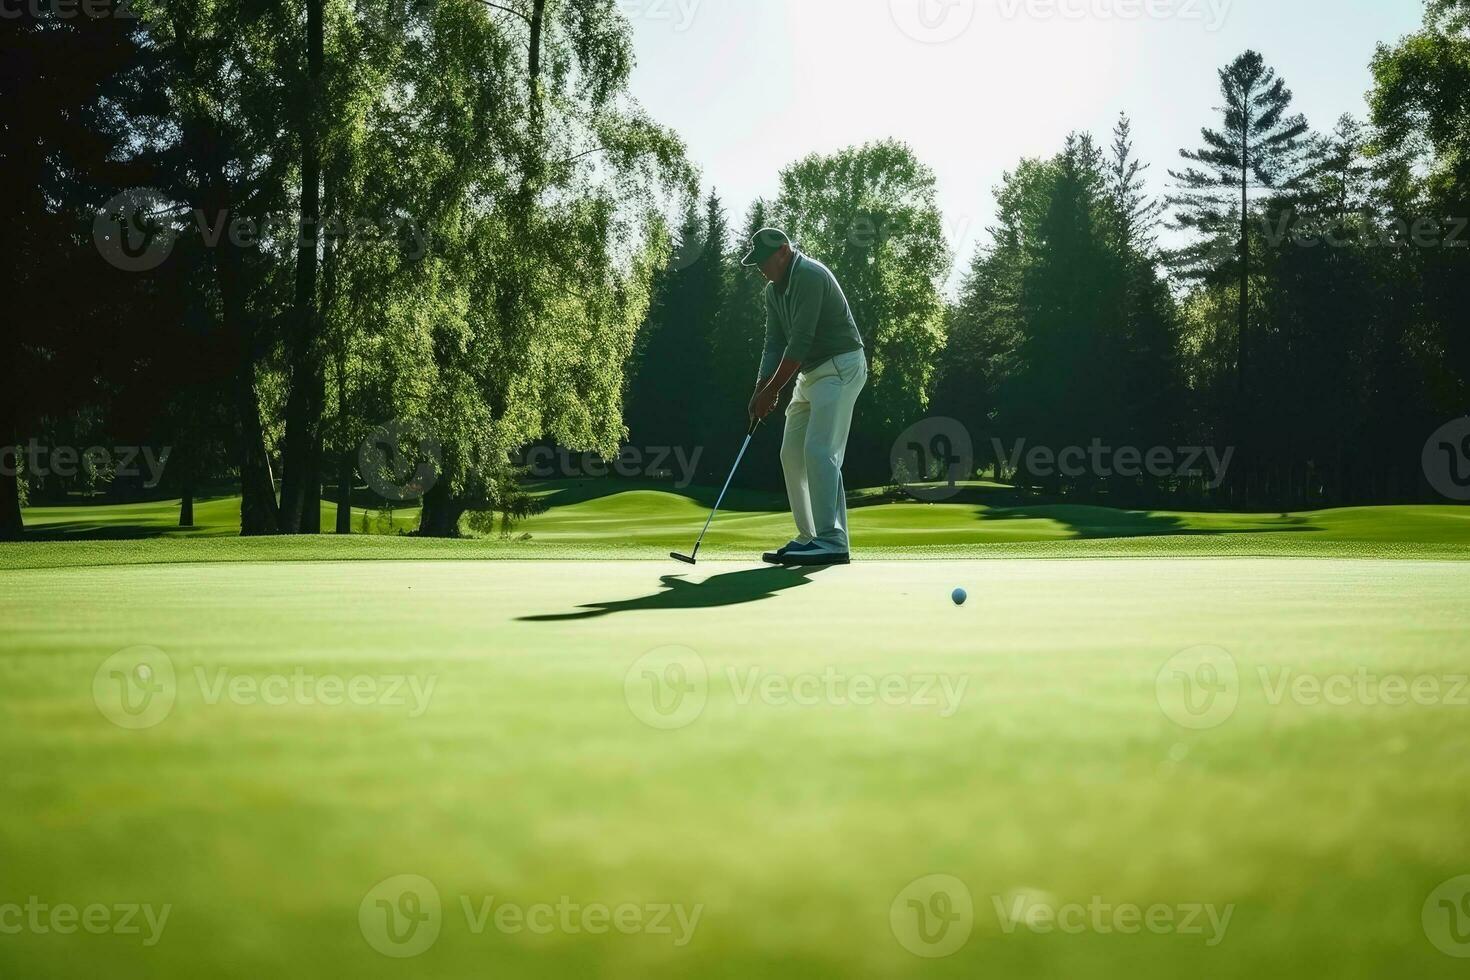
point(817, 423)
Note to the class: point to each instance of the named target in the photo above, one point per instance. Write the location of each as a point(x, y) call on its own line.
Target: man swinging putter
point(810, 336)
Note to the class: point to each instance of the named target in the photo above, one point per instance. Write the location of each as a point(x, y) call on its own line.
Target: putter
point(693, 559)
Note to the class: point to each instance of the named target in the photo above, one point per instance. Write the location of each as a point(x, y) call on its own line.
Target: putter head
point(684, 558)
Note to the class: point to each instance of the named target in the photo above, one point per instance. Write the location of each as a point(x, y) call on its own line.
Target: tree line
point(1293, 306)
point(454, 220)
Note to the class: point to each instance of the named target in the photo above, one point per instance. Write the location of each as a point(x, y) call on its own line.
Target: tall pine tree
point(1257, 149)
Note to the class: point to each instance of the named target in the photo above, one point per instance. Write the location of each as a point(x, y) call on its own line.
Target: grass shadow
point(1094, 522)
point(94, 531)
point(729, 589)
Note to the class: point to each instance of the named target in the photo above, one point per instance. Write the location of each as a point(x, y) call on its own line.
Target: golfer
point(810, 336)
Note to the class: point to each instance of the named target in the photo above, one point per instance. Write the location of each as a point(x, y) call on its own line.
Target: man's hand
point(768, 393)
point(763, 401)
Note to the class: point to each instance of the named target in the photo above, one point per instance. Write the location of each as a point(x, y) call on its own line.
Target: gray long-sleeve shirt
point(810, 321)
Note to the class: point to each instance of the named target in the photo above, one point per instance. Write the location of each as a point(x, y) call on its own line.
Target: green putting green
point(1121, 768)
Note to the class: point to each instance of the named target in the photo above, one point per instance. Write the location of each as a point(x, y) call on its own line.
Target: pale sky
point(975, 85)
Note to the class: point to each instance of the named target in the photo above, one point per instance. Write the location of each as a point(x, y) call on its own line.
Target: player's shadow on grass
point(729, 589)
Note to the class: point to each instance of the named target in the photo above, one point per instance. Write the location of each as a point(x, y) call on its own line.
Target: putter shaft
point(693, 559)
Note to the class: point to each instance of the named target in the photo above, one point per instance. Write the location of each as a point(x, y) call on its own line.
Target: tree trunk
point(441, 513)
point(1243, 340)
point(258, 508)
point(538, 20)
point(344, 493)
point(186, 505)
point(345, 456)
point(301, 482)
point(12, 524)
point(311, 513)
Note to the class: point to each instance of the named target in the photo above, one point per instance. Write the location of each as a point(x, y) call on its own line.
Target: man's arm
point(775, 343)
point(806, 306)
point(768, 393)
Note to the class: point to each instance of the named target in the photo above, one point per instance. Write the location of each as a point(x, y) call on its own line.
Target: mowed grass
point(214, 517)
point(613, 520)
point(1052, 771)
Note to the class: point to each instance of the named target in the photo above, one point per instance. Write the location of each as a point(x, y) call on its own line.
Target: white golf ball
point(959, 596)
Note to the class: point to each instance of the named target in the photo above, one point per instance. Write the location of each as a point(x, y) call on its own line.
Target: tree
point(1421, 138)
point(1069, 384)
point(300, 504)
point(670, 398)
point(1258, 148)
point(1153, 397)
point(870, 214)
point(62, 77)
point(548, 238)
